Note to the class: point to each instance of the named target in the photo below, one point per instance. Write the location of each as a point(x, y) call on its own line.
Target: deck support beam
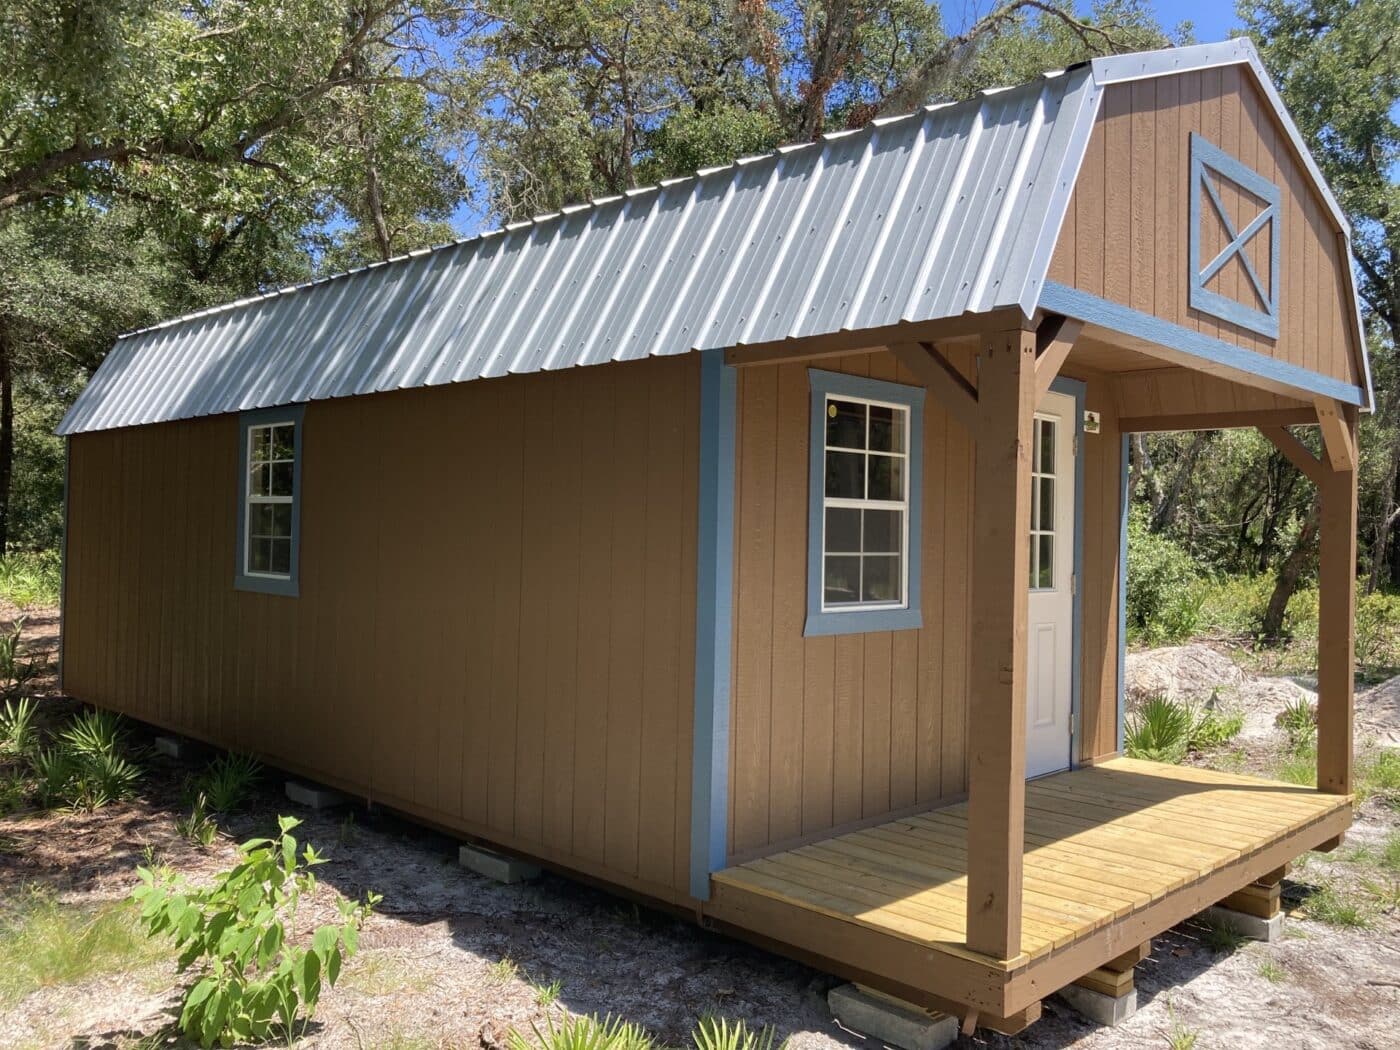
point(1336, 579)
point(997, 681)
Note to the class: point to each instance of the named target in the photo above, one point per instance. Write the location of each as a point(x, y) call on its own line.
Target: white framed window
point(269, 501)
point(864, 522)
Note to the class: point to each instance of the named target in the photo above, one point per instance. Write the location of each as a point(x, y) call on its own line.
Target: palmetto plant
point(583, 1033)
point(1158, 731)
point(17, 733)
point(228, 782)
point(94, 733)
point(718, 1033)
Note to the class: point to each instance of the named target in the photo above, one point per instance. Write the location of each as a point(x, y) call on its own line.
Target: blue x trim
point(1208, 160)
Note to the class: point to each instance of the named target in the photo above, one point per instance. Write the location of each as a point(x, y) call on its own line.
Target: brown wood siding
point(829, 731)
point(1125, 234)
point(1181, 391)
point(1103, 461)
point(496, 623)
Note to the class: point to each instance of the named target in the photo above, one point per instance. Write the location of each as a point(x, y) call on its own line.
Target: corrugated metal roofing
point(950, 210)
point(918, 217)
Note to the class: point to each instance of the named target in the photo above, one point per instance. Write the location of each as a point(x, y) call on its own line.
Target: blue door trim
point(714, 586)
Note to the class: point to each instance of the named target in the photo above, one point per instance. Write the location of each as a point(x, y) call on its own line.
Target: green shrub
point(94, 733)
point(15, 667)
point(256, 982)
point(1377, 632)
point(1164, 599)
point(1159, 731)
point(1299, 720)
point(228, 782)
point(87, 767)
point(1212, 727)
point(1235, 605)
point(583, 1033)
point(18, 735)
point(199, 828)
point(31, 579)
point(717, 1033)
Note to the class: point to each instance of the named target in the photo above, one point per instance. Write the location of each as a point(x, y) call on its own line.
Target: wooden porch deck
point(1114, 854)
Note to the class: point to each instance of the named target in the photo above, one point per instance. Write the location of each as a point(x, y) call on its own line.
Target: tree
point(200, 151)
point(1337, 64)
point(572, 100)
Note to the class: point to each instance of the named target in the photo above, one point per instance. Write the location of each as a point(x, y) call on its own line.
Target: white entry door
point(1050, 620)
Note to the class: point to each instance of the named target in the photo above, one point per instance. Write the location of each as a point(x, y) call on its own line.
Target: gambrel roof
point(950, 210)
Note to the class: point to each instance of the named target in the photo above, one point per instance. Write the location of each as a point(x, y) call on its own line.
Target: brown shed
point(755, 542)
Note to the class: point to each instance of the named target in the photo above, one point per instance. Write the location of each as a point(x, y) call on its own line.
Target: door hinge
point(1074, 445)
point(1074, 724)
point(1073, 584)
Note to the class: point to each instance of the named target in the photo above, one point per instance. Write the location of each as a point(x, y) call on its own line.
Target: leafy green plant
point(15, 667)
point(100, 779)
point(1212, 727)
point(28, 580)
point(1222, 938)
point(1299, 720)
point(504, 970)
point(1272, 971)
point(55, 768)
point(1377, 637)
point(719, 1033)
point(198, 827)
point(1297, 765)
point(229, 781)
point(18, 735)
point(1159, 730)
point(256, 982)
point(94, 732)
point(548, 992)
point(583, 1033)
point(1164, 596)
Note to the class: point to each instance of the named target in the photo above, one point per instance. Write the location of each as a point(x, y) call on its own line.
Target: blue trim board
point(714, 586)
point(1076, 389)
point(288, 588)
point(857, 621)
point(1206, 158)
point(63, 564)
point(1092, 309)
point(1122, 587)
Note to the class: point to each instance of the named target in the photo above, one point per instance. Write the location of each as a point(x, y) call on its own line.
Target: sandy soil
point(430, 974)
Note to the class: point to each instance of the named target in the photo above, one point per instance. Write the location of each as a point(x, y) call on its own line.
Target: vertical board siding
point(831, 730)
point(1125, 233)
point(496, 623)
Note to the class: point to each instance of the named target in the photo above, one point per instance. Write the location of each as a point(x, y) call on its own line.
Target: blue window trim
point(856, 621)
point(289, 587)
point(1122, 590)
point(1076, 389)
point(1093, 309)
point(714, 610)
point(1206, 157)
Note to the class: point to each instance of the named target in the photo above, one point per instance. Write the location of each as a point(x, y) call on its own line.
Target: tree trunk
point(1288, 576)
point(1165, 513)
point(7, 438)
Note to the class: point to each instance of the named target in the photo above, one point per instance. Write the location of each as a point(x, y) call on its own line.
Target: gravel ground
point(452, 960)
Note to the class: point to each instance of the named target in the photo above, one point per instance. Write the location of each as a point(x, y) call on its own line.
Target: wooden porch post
point(1336, 583)
point(997, 677)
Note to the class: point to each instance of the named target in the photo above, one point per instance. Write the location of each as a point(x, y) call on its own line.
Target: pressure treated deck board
point(1102, 843)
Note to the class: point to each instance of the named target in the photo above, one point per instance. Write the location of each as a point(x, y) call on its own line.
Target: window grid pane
point(268, 514)
point(1044, 438)
point(865, 503)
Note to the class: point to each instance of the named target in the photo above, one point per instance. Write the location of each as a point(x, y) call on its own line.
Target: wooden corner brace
point(944, 381)
point(1336, 434)
point(1297, 453)
point(1054, 339)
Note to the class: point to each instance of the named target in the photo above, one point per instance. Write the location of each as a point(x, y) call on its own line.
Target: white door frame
point(1075, 389)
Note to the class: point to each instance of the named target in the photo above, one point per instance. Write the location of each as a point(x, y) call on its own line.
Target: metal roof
point(949, 210)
